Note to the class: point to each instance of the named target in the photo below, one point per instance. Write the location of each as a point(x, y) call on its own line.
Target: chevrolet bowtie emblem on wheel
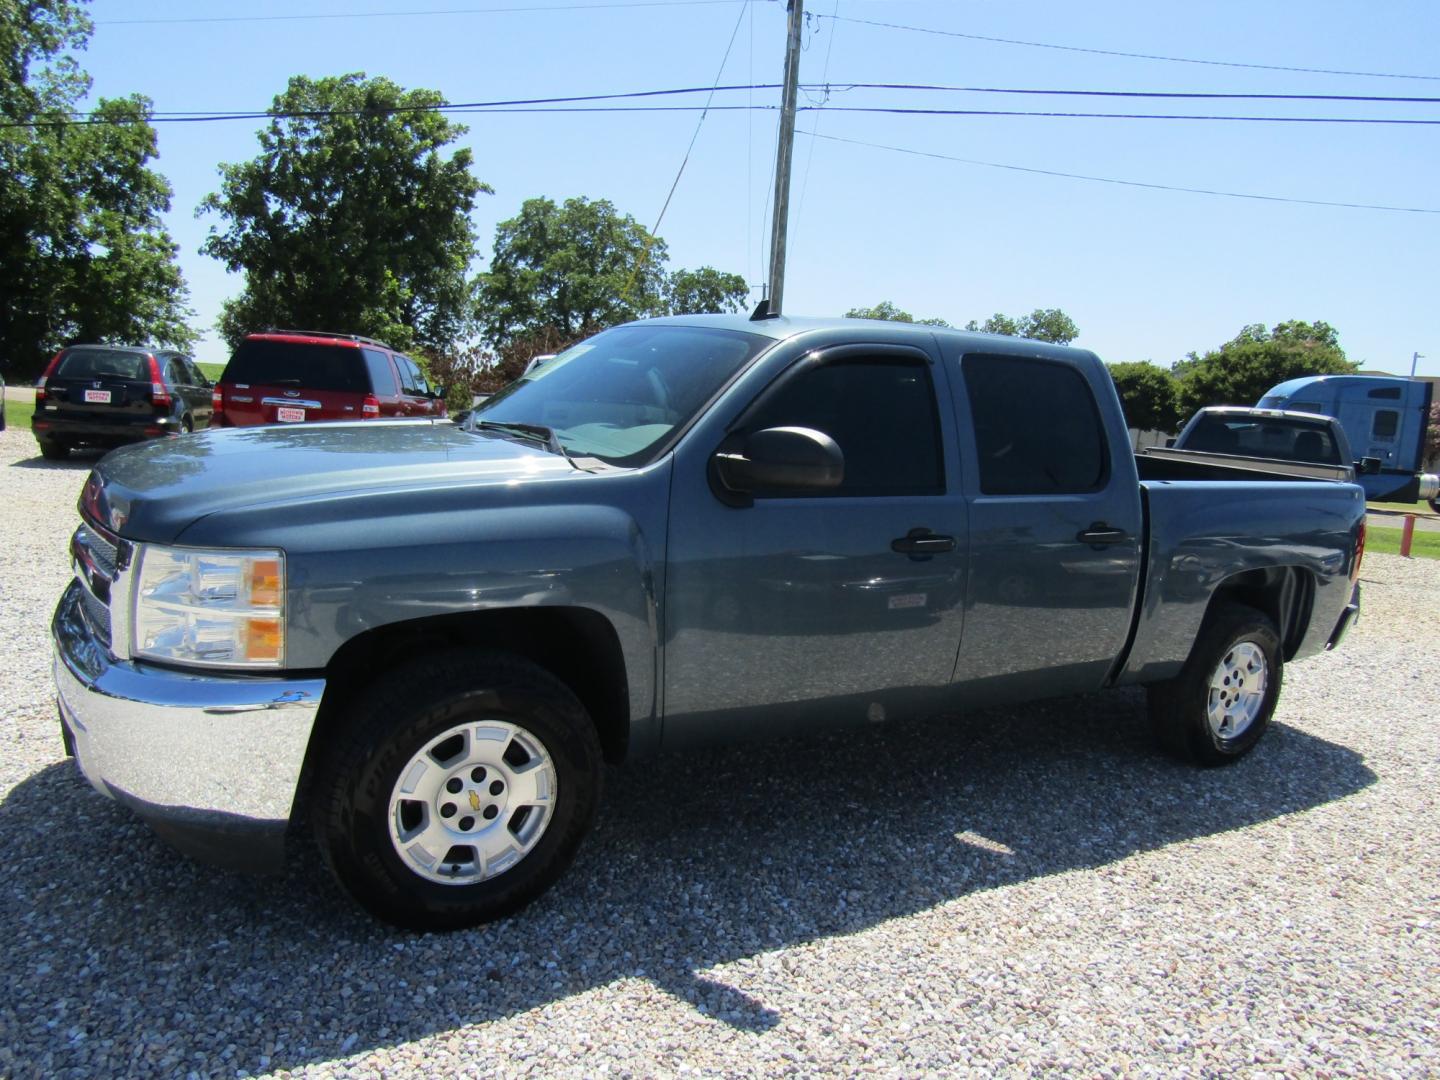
point(474, 801)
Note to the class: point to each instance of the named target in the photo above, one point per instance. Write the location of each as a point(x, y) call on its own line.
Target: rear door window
point(1037, 428)
point(382, 379)
point(411, 381)
point(1387, 422)
point(299, 364)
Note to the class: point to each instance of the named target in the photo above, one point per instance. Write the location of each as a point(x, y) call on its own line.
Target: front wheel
point(459, 791)
point(1218, 707)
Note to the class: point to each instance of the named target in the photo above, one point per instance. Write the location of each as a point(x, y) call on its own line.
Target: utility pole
point(1415, 359)
point(783, 154)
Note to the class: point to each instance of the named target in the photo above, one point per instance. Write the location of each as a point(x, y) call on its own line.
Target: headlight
point(216, 608)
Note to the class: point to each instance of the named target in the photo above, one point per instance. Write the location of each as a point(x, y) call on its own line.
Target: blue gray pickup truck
point(424, 639)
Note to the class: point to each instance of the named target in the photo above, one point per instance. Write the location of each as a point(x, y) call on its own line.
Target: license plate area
point(99, 397)
point(287, 414)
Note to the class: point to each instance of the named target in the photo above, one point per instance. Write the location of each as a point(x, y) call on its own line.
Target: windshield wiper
point(545, 436)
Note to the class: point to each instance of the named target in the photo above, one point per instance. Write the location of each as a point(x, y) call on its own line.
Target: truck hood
point(153, 491)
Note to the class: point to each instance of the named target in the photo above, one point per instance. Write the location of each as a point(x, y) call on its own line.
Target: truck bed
point(1165, 463)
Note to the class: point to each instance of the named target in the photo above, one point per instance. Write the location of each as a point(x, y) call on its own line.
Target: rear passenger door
point(1055, 529)
point(382, 382)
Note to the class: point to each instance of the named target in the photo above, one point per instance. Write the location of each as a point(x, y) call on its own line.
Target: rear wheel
point(1218, 707)
point(459, 790)
point(54, 450)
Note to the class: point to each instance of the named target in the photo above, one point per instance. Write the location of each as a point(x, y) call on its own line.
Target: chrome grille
point(97, 566)
point(97, 615)
point(104, 551)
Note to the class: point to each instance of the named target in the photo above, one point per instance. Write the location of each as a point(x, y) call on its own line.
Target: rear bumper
point(212, 763)
point(103, 432)
point(1348, 616)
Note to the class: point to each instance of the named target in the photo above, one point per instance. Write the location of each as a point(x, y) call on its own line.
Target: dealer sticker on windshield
point(288, 415)
point(102, 396)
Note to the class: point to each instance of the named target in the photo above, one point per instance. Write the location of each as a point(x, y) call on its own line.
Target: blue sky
point(1146, 274)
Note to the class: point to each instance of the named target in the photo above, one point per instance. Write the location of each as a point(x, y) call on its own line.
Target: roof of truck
point(780, 327)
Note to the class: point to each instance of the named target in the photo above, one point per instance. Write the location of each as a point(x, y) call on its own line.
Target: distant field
point(1425, 545)
point(212, 371)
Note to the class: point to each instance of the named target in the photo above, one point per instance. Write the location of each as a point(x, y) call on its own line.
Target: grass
point(18, 413)
point(1423, 509)
point(1425, 545)
point(212, 371)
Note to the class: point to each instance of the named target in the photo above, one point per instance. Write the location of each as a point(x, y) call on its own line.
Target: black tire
point(54, 450)
point(394, 720)
point(186, 425)
point(1180, 710)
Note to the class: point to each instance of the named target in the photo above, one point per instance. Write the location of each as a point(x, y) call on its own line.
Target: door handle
point(1099, 533)
point(921, 541)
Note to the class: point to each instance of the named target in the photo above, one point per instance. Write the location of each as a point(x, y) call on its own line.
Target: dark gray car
point(109, 395)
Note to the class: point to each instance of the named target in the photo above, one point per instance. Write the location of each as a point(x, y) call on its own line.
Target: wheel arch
point(1285, 593)
point(577, 645)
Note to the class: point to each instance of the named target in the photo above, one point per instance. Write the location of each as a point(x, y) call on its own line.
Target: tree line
point(355, 217)
point(1161, 399)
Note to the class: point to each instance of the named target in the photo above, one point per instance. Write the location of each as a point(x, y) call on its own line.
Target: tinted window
point(103, 364)
point(1287, 440)
point(175, 373)
point(1391, 393)
point(1387, 422)
point(1037, 430)
point(299, 364)
point(411, 381)
point(197, 377)
point(881, 413)
point(382, 379)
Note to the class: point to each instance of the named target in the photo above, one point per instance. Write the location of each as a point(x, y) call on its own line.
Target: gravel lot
point(1029, 890)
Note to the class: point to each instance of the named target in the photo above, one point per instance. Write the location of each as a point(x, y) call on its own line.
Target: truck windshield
point(1287, 439)
point(618, 396)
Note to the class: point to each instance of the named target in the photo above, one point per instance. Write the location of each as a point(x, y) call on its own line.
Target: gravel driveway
point(1020, 891)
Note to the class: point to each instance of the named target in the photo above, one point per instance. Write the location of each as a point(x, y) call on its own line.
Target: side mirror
point(1170, 443)
point(460, 417)
point(777, 461)
point(1368, 466)
point(439, 391)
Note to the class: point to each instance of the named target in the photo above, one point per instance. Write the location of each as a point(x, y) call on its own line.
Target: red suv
point(300, 376)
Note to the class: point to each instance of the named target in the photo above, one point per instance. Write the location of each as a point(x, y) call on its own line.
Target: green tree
point(1148, 395)
point(1042, 324)
point(83, 253)
point(1241, 370)
point(888, 312)
point(698, 292)
point(572, 269)
point(355, 216)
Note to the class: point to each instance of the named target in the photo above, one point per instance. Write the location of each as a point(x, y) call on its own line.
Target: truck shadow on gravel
point(122, 956)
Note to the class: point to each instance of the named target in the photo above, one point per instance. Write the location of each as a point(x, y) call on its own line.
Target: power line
point(1124, 183)
point(896, 111)
point(555, 104)
point(1130, 55)
point(513, 9)
point(701, 122)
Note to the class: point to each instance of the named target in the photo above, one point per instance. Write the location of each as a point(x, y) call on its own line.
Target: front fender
point(348, 574)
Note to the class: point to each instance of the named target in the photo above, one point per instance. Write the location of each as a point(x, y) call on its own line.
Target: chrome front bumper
point(211, 762)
